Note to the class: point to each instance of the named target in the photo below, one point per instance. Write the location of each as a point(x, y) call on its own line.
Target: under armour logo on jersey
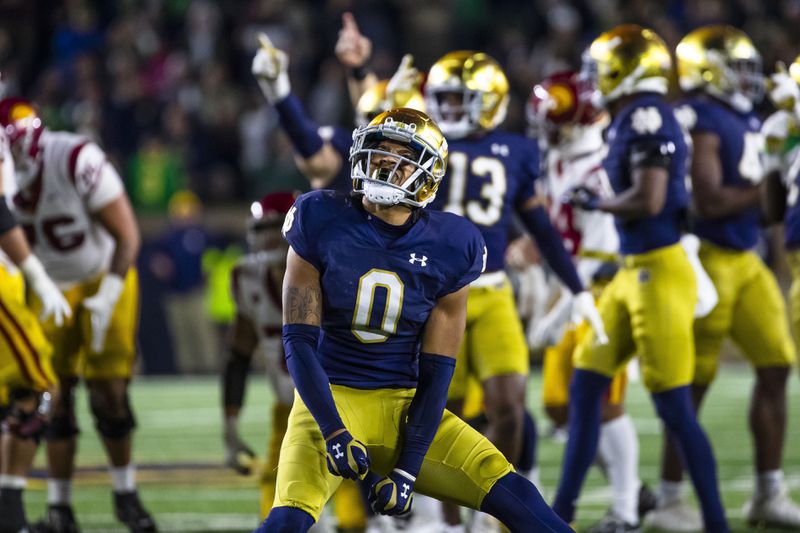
point(499, 149)
point(406, 486)
point(423, 261)
point(338, 448)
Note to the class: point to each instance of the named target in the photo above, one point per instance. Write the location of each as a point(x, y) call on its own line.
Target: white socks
point(12, 482)
point(670, 493)
point(618, 451)
point(769, 483)
point(231, 430)
point(123, 478)
point(59, 492)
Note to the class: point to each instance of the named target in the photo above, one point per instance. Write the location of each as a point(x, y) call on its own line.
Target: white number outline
point(365, 297)
point(493, 191)
point(750, 168)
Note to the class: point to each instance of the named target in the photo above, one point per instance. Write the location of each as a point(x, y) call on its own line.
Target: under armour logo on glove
point(347, 457)
point(385, 498)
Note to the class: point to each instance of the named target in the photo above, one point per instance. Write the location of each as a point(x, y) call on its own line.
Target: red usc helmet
point(268, 214)
point(560, 103)
point(23, 127)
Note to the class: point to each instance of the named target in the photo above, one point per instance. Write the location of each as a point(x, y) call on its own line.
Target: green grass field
point(179, 450)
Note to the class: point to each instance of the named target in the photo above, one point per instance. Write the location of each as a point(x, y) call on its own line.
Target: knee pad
point(25, 422)
point(112, 414)
point(286, 520)
point(62, 427)
point(113, 427)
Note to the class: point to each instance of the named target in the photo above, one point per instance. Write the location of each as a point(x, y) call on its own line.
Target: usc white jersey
point(587, 235)
point(9, 188)
point(75, 181)
point(258, 300)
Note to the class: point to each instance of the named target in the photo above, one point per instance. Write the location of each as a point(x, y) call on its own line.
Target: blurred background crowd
point(165, 87)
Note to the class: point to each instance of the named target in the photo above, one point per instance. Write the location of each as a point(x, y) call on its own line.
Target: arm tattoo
point(303, 305)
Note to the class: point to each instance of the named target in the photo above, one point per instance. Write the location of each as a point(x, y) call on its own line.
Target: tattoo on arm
point(303, 305)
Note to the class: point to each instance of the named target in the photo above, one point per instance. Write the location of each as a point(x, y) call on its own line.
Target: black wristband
point(359, 73)
point(7, 220)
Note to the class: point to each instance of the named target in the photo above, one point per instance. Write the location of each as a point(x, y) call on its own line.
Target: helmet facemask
point(392, 165)
point(743, 81)
point(456, 120)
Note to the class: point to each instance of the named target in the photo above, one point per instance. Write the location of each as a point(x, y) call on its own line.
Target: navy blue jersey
point(487, 178)
point(739, 154)
point(791, 218)
point(648, 121)
point(341, 139)
point(377, 291)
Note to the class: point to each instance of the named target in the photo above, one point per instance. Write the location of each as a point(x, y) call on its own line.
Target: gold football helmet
point(627, 59)
point(722, 61)
point(378, 99)
point(794, 70)
point(465, 92)
point(376, 170)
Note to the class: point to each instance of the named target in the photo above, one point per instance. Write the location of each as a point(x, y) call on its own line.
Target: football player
point(782, 171)
point(322, 152)
point(374, 306)
point(73, 207)
point(26, 370)
point(570, 127)
point(648, 307)
point(720, 70)
point(491, 176)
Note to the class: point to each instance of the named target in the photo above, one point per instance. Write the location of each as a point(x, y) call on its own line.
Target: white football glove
point(101, 307)
point(547, 329)
point(583, 308)
point(783, 90)
point(271, 69)
point(405, 78)
point(53, 302)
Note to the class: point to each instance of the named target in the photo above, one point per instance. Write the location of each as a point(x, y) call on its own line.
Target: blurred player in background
point(648, 307)
point(570, 129)
point(781, 189)
point(73, 207)
point(374, 302)
point(720, 70)
point(491, 175)
point(26, 373)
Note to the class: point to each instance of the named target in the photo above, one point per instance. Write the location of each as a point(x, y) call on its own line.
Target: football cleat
point(679, 518)
point(241, 458)
point(775, 511)
point(648, 501)
point(129, 510)
point(466, 92)
point(611, 523)
point(627, 59)
point(377, 172)
point(59, 519)
point(723, 62)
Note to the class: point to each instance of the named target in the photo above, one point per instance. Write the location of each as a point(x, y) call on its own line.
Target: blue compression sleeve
point(311, 381)
point(299, 126)
point(518, 505)
point(550, 244)
point(425, 411)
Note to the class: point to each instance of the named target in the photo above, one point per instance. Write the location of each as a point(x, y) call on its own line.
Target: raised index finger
point(349, 22)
